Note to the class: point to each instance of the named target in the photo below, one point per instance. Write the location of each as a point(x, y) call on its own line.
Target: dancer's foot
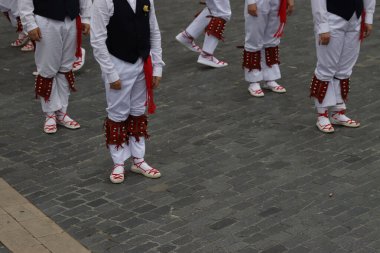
point(141, 167)
point(21, 40)
point(274, 86)
point(64, 120)
point(50, 126)
point(117, 174)
point(340, 118)
point(324, 124)
point(255, 90)
point(29, 47)
point(211, 61)
point(186, 40)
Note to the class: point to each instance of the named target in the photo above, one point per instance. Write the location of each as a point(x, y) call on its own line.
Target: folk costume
point(212, 21)
point(345, 21)
point(261, 56)
point(55, 53)
point(126, 41)
point(10, 10)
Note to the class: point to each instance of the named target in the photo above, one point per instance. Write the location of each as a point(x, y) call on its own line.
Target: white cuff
point(249, 2)
point(323, 28)
point(85, 20)
point(31, 26)
point(157, 71)
point(369, 18)
point(112, 77)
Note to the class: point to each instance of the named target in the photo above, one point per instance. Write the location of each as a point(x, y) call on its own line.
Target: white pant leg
point(349, 56)
point(68, 58)
point(197, 27)
point(48, 57)
point(137, 147)
point(138, 99)
point(220, 8)
point(13, 6)
point(121, 154)
point(272, 25)
point(328, 58)
point(210, 43)
point(254, 40)
point(351, 49)
point(119, 102)
point(338, 58)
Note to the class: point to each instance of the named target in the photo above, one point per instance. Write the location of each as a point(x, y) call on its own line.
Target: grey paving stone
point(239, 174)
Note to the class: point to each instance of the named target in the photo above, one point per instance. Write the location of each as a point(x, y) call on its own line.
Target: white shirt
point(26, 8)
point(319, 9)
point(102, 11)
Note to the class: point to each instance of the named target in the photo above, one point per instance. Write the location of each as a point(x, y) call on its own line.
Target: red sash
point(78, 52)
point(148, 71)
point(282, 15)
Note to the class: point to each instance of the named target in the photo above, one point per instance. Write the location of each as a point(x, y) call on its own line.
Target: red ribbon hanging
point(362, 27)
point(148, 71)
point(78, 52)
point(282, 15)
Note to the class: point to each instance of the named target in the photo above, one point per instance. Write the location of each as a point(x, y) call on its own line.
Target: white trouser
point(130, 100)
point(338, 58)
point(215, 8)
point(11, 7)
point(55, 52)
point(220, 8)
point(259, 34)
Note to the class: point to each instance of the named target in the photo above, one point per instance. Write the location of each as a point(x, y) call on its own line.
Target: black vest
point(345, 8)
point(128, 32)
point(57, 9)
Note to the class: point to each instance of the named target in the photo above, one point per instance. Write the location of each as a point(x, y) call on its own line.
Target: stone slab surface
point(239, 174)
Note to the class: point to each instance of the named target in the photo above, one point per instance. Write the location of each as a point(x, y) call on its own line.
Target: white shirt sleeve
point(26, 8)
point(155, 43)
point(369, 7)
point(320, 16)
point(249, 2)
point(101, 12)
point(85, 10)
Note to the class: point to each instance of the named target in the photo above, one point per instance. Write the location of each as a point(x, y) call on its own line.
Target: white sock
point(272, 84)
point(118, 169)
point(254, 86)
point(141, 163)
point(49, 118)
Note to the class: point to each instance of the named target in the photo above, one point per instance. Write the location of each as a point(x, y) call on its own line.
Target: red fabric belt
point(148, 71)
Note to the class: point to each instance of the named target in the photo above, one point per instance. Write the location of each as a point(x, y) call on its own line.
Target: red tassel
point(78, 52)
point(148, 71)
point(282, 15)
point(362, 27)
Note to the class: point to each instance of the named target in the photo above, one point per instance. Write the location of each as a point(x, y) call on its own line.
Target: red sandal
point(148, 171)
point(50, 128)
point(325, 128)
point(117, 178)
point(66, 121)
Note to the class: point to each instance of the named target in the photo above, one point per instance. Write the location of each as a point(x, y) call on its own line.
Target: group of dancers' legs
point(345, 24)
point(131, 72)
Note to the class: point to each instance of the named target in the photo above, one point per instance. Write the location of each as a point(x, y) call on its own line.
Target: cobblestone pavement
point(239, 174)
